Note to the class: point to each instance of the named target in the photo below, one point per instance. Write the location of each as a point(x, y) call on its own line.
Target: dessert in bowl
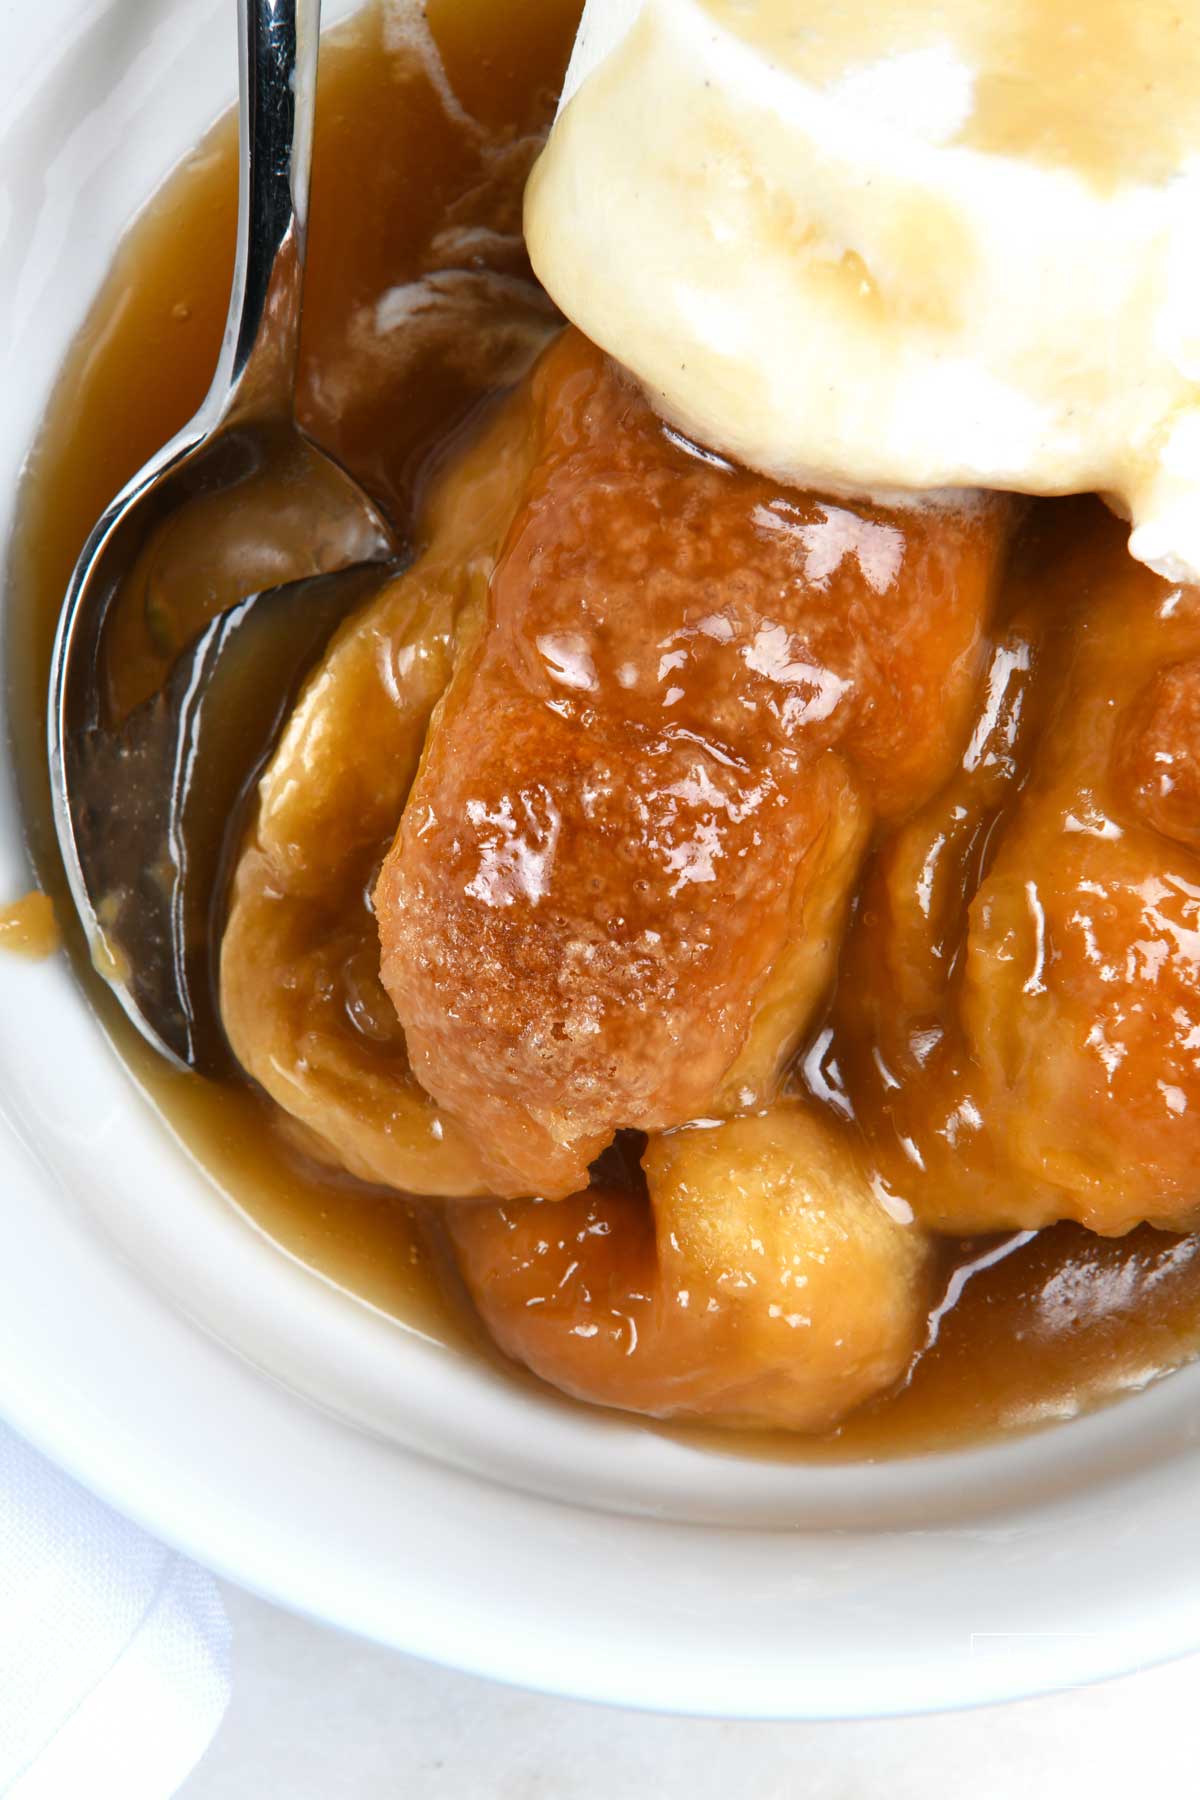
point(641, 884)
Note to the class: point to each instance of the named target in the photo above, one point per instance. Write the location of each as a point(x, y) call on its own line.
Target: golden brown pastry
point(626, 858)
point(1037, 1057)
point(640, 716)
point(762, 1284)
point(300, 993)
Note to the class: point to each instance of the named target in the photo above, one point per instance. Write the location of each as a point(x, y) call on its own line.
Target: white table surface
point(319, 1716)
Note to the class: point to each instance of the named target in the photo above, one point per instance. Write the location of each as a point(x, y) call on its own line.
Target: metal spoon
point(183, 571)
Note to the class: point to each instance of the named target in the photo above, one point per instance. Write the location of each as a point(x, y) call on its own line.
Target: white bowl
point(241, 1407)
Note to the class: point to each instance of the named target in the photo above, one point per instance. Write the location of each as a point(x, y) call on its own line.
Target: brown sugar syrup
point(416, 127)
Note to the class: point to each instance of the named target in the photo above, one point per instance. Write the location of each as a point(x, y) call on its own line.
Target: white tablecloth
point(114, 1651)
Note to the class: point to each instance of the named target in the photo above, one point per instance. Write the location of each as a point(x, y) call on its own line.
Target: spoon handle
point(255, 376)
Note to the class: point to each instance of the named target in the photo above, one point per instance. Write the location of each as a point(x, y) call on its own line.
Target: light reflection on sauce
point(29, 927)
point(1054, 1325)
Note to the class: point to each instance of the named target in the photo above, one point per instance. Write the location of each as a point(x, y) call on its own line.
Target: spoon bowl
point(239, 505)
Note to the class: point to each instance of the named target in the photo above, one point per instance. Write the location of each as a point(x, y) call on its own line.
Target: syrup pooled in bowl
point(420, 308)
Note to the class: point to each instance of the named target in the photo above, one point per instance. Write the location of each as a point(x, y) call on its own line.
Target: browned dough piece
point(622, 872)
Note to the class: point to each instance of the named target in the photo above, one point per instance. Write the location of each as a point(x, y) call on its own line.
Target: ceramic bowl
point(241, 1407)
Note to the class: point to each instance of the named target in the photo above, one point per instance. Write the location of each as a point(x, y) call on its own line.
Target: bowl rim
point(244, 1410)
point(113, 1381)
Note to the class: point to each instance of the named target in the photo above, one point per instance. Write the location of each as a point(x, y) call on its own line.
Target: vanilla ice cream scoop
point(889, 246)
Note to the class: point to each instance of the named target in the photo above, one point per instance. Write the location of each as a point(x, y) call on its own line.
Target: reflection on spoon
point(159, 801)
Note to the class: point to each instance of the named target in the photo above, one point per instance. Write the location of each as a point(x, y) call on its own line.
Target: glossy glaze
point(757, 1282)
point(300, 992)
point(1025, 1330)
point(642, 807)
point(1018, 1025)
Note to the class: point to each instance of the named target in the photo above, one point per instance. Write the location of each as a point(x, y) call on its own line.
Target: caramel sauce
point(418, 168)
point(406, 180)
point(1033, 1056)
point(644, 800)
point(28, 927)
